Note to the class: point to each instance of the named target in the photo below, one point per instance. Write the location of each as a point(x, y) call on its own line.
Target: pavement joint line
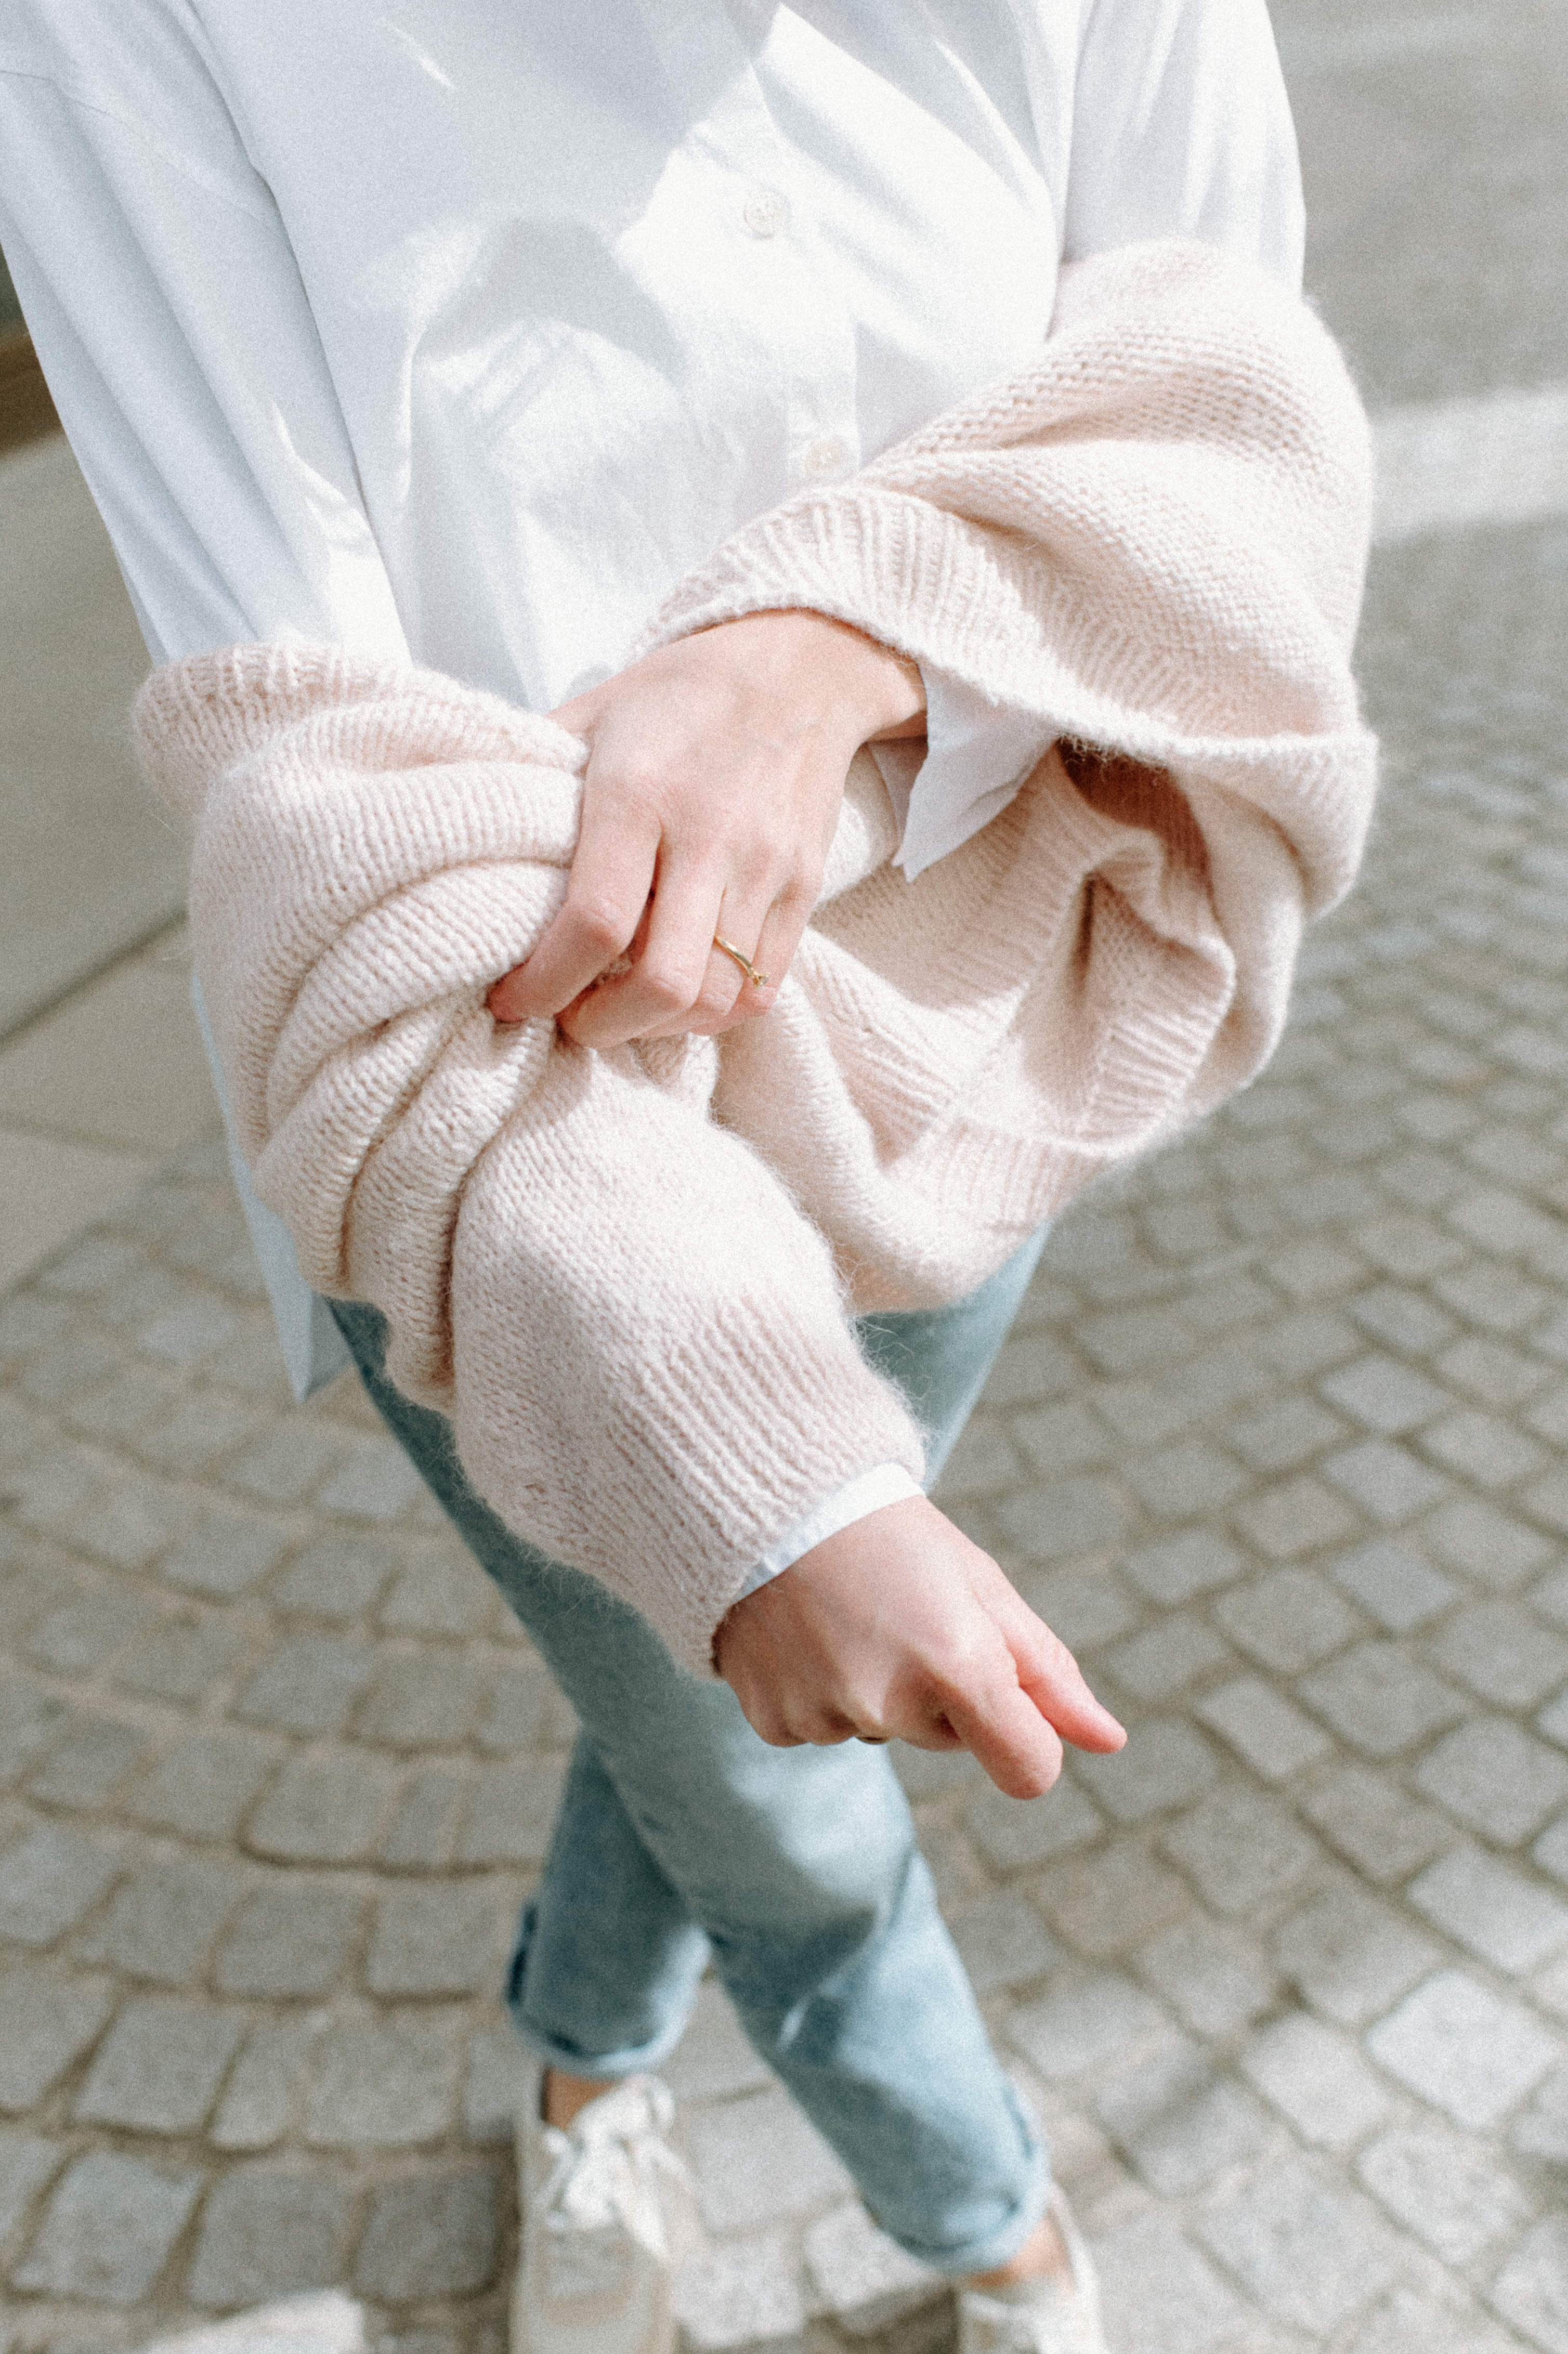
point(167, 927)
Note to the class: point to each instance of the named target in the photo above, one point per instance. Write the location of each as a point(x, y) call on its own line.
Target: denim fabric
point(682, 1836)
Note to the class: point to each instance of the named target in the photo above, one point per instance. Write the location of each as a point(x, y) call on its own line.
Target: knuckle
point(669, 986)
point(714, 1003)
point(600, 926)
point(623, 780)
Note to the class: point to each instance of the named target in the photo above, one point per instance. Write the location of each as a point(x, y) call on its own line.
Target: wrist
point(875, 690)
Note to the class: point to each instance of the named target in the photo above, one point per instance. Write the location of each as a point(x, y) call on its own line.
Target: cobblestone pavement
point(1278, 1446)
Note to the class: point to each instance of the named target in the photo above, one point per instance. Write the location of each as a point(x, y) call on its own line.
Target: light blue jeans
point(682, 1836)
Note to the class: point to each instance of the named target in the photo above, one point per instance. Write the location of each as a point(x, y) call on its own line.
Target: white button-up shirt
point(460, 330)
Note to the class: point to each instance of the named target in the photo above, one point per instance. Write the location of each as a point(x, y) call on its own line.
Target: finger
point(777, 940)
point(728, 993)
point(671, 968)
point(929, 1732)
point(614, 871)
point(1054, 1682)
point(778, 936)
point(765, 1717)
point(1006, 1733)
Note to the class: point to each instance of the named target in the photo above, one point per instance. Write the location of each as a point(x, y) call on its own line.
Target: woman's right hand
point(899, 1628)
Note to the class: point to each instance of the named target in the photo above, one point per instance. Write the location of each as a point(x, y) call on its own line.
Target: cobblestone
point(1400, 1589)
point(327, 1805)
point(48, 1882)
point(1264, 1728)
point(1064, 2034)
point(163, 1919)
point(424, 1830)
point(862, 2276)
point(756, 2159)
point(419, 1703)
point(308, 1684)
point(1165, 1659)
point(1165, 1770)
point(260, 2095)
point(291, 1935)
point(201, 1788)
point(1542, 2130)
point(1218, 1979)
point(431, 1941)
point(1181, 2122)
point(1531, 2289)
point(108, 2230)
point(1012, 1835)
point(1170, 2300)
point(386, 2082)
point(87, 1766)
point(1452, 2193)
point(51, 2018)
point(1496, 1779)
point(1458, 2045)
point(1306, 2255)
point(26, 2162)
point(1491, 1907)
point(743, 2294)
point(337, 1577)
point(1002, 1941)
point(1243, 1850)
point(160, 2065)
point(511, 1811)
point(1316, 2080)
point(1289, 1621)
point(1504, 1653)
point(1380, 1700)
point(267, 2232)
point(430, 2235)
point(1112, 1900)
point(1351, 1956)
point(1486, 1543)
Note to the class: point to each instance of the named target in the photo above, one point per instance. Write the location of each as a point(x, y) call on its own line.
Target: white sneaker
point(1038, 2317)
point(608, 2210)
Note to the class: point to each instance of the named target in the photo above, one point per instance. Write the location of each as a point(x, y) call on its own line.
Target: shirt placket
point(785, 280)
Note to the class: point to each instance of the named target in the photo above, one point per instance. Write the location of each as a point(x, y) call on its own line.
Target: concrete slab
point(89, 864)
point(120, 1065)
point(51, 1192)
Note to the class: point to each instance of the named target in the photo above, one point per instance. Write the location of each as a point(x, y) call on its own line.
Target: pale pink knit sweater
point(627, 1276)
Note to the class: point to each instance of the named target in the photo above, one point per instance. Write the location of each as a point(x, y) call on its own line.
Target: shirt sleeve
point(885, 1483)
point(1181, 127)
point(169, 317)
point(167, 310)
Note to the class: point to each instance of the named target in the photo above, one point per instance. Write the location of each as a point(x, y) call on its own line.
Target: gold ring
point(758, 979)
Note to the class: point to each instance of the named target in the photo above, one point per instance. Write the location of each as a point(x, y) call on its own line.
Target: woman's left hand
point(898, 1627)
point(715, 770)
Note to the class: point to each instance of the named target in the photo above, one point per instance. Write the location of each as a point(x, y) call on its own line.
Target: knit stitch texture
point(628, 1276)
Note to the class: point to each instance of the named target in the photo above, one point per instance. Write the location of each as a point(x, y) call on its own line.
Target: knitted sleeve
point(640, 1339)
point(1154, 541)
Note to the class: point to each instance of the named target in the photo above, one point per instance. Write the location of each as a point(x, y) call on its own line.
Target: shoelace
point(605, 2173)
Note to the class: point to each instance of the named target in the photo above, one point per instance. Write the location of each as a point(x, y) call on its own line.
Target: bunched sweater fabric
point(628, 1276)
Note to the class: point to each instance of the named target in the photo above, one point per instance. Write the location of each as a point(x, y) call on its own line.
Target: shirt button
point(828, 456)
point(765, 212)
